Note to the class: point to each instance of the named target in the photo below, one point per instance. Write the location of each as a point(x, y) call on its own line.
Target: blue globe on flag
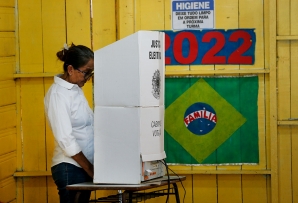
point(200, 118)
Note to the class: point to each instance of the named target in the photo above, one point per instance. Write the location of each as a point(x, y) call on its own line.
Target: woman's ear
point(70, 69)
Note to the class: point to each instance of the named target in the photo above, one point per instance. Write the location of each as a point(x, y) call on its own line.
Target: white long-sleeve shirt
point(71, 121)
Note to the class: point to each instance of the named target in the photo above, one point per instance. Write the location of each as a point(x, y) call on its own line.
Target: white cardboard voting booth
point(131, 71)
point(129, 109)
point(124, 137)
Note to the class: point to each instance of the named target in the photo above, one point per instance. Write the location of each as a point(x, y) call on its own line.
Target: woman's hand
point(84, 163)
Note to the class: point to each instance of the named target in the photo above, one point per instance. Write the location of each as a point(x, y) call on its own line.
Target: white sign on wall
point(192, 14)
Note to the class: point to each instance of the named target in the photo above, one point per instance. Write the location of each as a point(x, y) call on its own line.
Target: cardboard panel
point(130, 72)
point(138, 131)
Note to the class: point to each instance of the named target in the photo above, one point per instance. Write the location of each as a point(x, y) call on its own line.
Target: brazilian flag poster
point(211, 120)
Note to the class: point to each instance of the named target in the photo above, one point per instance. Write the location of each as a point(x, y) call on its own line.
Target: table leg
point(130, 197)
point(120, 194)
point(176, 193)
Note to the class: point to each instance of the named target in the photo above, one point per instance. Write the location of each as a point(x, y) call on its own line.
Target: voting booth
point(129, 109)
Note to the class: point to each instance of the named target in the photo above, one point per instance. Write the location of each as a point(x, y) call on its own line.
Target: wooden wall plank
point(78, 22)
point(255, 23)
point(229, 189)
point(8, 140)
point(226, 14)
point(18, 129)
point(168, 15)
point(266, 20)
point(35, 189)
point(33, 124)
point(126, 18)
point(79, 32)
point(9, 63)
point(293, 17)
point(226, 17)
point(88, 92)
point(7, 41)
point(34, 148)
point(20, 190)
point(7, 19)
point(294, 158)
point(7, 165)
point(103, 28)
point(266, 81)
point(7, 189)
point(283, 80)
point(284, 165)
point(187, 195)
point(254, 189)
point(273, 116)
point(294, 99)
point(205, 188)
point(293, 79)
point(150, 14)
point(50, 143)
point(52, 191)
point(283, 17)
point(7, 92)
point(7, 3)
point(7, 117)
point(30, 36)
point(53, 34)
point(54, 37)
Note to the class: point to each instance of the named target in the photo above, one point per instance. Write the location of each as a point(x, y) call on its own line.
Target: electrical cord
point(167, 168)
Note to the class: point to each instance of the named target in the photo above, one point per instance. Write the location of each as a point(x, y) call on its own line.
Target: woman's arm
point(84, 163)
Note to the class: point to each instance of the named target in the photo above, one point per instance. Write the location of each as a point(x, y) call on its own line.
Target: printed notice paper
point(192, 14)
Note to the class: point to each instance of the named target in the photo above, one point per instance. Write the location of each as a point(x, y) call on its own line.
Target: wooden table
point(134, 193)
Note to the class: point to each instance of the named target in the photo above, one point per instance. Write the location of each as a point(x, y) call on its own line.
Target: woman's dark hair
point(75, 55)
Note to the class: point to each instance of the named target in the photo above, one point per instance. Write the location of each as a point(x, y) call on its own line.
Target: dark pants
point(65, 174)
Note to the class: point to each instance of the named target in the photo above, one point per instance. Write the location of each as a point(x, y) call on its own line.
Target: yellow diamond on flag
point(200, 120)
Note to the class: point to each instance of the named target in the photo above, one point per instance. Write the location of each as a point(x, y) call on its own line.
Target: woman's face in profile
point(83, 73)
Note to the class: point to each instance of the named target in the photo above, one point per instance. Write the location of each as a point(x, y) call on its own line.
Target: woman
point(71, 121)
